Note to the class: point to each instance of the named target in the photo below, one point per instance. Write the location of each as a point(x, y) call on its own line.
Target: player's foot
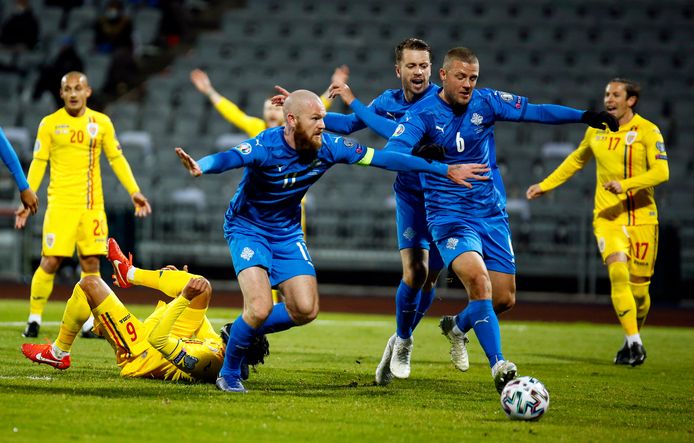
point(230, 383)
point(623, 356)
point(503, 372)
point(400, 360)
point(638, 354)
point(43, 353)
point(121, 264)
point(458, 341)
point(383, 374)
point(32, 330)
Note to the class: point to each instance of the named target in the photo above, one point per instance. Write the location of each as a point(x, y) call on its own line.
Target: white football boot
point(503, 372)
point(383, 374)
point(400, 360)
point(458, 341)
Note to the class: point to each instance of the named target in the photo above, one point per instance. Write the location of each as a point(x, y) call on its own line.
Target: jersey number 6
point(459, 142)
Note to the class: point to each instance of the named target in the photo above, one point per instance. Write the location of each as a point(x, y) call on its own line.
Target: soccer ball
point(525, 398)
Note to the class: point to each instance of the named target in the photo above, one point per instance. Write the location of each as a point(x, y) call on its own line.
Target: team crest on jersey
point(631, 137)
point(244, 148)
point(93, 129)
point(50, 240)
point(476, 119)
point(399, 130)
point(247, 253)
point(452, 243)
point(409, 233)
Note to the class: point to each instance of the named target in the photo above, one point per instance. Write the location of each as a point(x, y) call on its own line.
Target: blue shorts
point(410, 217)
point(283, 258)
point(490, 237)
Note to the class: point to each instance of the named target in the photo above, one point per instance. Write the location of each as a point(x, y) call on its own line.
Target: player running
point(630, 163)
point(262, 224)
point(71, 140)
point(470, 225)
point(176, 342)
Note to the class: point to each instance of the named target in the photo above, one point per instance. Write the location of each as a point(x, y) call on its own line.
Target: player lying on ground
point(188, 348)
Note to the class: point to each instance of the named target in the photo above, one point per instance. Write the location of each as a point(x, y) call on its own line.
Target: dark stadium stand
point(562, 52)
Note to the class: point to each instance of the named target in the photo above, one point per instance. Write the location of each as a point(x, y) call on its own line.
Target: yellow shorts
point(65, 228)
point(129, 337)
point(639, 243)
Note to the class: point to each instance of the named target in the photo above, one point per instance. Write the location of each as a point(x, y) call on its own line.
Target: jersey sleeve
point(506, 106)
point(9, 157)
point(571, 164)
point(250, 125)
point(117, 160)
point(407, 134)
point(247, 153)
point(42, 154)
point(658, 170)
point(382, 126)
point(342, 123)
point(396, 161)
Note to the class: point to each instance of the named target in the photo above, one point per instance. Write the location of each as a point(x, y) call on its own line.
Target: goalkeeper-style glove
point(600, 120)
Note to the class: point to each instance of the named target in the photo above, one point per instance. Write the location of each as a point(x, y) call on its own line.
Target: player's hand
point(600, 120)
point(188, 162)
point(341, 74)
point(278, 100)
point(343, 90)
point(20, 217)
point(195, 287)
point(534, 192)
point(466, 171)
point(29, 200)
point(613, 186)
point(142, 207)
point(201, 81)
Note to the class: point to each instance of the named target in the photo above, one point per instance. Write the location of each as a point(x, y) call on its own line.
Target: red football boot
point(43, 353)
point(121, 264)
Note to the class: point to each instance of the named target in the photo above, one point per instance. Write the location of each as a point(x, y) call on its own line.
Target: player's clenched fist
point(195, 287)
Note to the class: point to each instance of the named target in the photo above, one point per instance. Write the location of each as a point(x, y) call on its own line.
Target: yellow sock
point(170, 283)
point(643, 301)
point(41, 288)
point(622, 298)
point(77, 311)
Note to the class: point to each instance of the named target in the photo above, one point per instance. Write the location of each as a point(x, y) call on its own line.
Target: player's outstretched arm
point(188, 162)
point(340, 75)
point(202, 83)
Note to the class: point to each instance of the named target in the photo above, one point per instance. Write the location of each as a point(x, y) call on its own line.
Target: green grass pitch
point(317, 385)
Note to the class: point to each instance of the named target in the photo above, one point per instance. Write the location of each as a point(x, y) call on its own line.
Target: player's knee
point(479, 287)
point(259, 313)
point(304, 313)
point(415, 274)
point(504, 302)
point(91, 285)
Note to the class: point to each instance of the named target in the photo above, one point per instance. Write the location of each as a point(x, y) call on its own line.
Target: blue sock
point(425, 300)
point(278, 320)
point(406, 300)
point(240, 338)
point(479, 315)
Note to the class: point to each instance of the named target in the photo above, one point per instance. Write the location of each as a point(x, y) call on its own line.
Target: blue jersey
point(9, 157)
point(393, 105)
point(467, 138)
point(276, 179)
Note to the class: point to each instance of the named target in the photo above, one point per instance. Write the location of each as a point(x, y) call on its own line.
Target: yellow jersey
point(72, 146)
point(635, 156)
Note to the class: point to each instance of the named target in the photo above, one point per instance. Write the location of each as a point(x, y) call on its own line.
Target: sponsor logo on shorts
point(601, 244)
point(399, 130)
point(244, 148)
point(409, 233)
point(452, 243)
point(247, 253)
point(50, 240)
